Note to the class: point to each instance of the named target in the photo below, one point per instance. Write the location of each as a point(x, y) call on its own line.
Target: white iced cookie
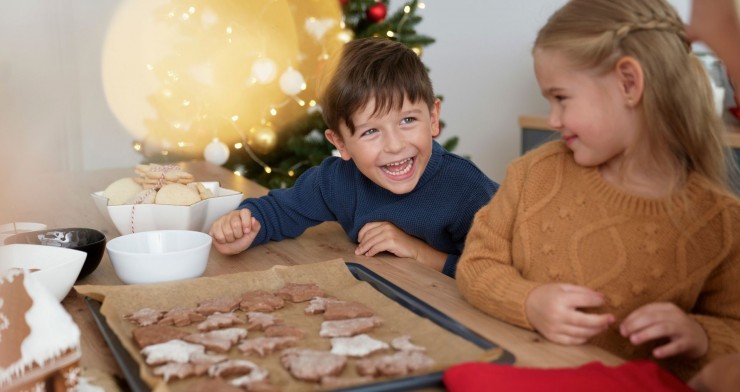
point(122, 190)
point(177, 194)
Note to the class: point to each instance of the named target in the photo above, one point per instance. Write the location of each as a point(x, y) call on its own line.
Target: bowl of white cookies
point(164, 197)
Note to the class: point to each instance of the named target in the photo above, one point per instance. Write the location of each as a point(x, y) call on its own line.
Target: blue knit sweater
point(438, 211)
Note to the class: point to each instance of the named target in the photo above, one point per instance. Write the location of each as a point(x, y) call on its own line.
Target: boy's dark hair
point(378, 68)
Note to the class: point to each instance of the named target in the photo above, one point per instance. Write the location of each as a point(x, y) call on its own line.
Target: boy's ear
point(336, 140)
point(434, 115)
point(631, 79)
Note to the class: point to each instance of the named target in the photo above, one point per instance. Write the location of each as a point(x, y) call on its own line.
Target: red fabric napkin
point(636, 375)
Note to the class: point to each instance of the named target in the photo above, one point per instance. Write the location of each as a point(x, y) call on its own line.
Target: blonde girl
point(624, 233)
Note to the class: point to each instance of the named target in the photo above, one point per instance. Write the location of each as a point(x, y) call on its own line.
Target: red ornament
point(377, 12)
point(343, 2)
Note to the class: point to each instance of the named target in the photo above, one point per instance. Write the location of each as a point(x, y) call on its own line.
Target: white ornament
point(318, 27)
point(264, 70)
point(291, 82)
point(208, 18)
point(216, 152)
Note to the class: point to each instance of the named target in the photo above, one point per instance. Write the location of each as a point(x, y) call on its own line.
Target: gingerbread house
point(39, 341)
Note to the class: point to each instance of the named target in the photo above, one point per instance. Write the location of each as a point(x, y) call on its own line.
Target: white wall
point(53, 111)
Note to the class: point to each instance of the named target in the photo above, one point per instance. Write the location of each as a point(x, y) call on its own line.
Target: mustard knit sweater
point(555, 221)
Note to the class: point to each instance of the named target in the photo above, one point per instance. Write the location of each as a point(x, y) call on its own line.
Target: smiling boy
point(394, 189)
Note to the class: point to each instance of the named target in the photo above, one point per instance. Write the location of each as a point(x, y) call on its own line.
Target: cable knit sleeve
point(486, 275)
point(718, 308)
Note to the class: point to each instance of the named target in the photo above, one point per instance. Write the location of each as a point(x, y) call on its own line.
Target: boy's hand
point(376, 237)
point(234, 232)
point(666, 320)
point(553, 309)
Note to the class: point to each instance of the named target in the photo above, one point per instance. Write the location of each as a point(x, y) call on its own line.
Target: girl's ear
point(336, 140)
point(631, 79)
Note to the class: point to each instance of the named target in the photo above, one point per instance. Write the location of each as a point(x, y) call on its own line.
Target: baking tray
point(131, 369)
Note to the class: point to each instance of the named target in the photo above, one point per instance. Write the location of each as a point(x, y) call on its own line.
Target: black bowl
point(86, 240)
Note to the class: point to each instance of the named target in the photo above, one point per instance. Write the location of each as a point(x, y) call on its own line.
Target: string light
point(344, 34)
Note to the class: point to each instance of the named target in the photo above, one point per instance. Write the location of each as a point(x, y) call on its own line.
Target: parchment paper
point(333, 276)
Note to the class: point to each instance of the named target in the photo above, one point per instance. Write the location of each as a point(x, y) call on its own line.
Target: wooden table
point(63, 200)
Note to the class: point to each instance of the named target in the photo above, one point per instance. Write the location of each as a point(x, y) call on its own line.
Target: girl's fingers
point(599, 322)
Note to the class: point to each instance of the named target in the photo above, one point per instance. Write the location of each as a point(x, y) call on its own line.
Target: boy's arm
point(376, 237)
point(287, 213)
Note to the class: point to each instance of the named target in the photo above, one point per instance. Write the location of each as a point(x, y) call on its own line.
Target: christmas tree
point(267, 128)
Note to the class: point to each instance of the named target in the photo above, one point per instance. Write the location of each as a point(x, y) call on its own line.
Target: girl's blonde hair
point(684, 130)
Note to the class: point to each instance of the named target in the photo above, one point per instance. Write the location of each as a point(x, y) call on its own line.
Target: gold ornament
point(262, 139)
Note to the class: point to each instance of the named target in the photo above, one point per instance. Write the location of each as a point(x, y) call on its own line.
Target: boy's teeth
point(399, 168)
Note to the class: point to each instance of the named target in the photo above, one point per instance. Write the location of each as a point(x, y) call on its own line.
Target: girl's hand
point(720, 375)
point(376, 237)
point(666, 320)
point(553, 309)
point(234, 232)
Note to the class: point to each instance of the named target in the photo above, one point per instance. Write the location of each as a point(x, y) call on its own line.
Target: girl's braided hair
point(681, 125)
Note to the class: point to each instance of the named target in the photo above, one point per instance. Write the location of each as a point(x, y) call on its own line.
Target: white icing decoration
point(4, 322)
point(172, 351)
point(85, 386)
point(52, 331)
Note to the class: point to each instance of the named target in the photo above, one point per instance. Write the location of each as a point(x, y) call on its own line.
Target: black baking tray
point(131, 369)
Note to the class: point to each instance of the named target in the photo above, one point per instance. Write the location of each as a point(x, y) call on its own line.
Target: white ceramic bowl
point(11, 229)
point(159, 256)
point(147, 217)
point(55, 268)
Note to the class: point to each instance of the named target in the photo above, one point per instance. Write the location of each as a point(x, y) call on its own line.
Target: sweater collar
point(610, 194)
point(435, 162)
